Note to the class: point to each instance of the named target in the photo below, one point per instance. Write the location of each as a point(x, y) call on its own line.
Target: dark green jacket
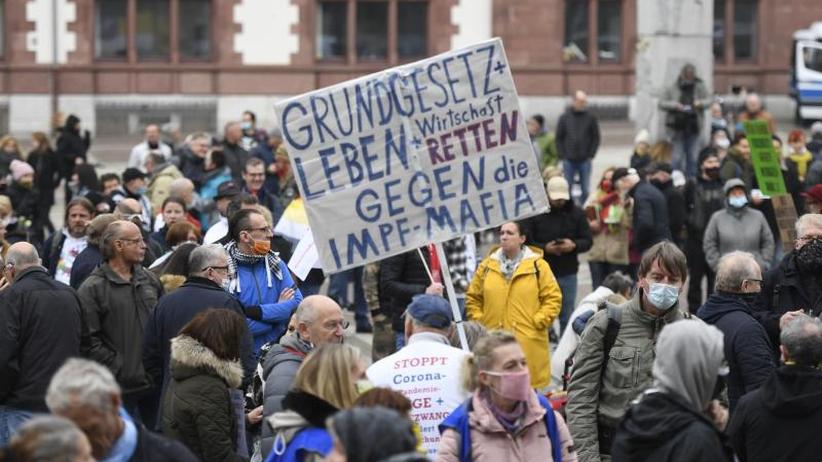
point(197, 409)
point(116, 312)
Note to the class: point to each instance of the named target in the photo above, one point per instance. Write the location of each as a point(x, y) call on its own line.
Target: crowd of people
point(162, 322)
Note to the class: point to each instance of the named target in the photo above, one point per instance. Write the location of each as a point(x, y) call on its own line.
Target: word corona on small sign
point(416, 154)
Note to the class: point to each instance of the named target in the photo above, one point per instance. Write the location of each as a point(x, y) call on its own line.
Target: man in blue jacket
point(747, 348)
point(259, 278)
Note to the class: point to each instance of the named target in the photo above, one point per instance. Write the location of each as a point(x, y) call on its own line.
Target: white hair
point(81, 382)
point(808, 221)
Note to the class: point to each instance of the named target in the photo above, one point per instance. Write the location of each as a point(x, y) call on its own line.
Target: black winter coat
point(779, 422)
point(568, 222)
point(786, 289)
point(702, 198)
point(675, 202)
point(577, 135)
point(86, 262)
point(174, 311)
point(650, 220)
point(235, 158)
point(401, 277)
point(747, 348)
point(40, 328)
point(71, 146)
point(46, 174)
point(661, 429)
point(51, 251)
point(152, 447)
point(197, 409)
point(23, 200)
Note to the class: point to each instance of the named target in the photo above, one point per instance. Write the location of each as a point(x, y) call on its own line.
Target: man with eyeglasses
point(260, 279)
point(795, 285)
point(118, 299)
point(747, 347)
point(319, 320)
point(205, 288)
point(254, 179)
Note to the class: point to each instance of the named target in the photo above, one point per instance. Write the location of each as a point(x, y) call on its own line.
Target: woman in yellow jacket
point(515, 290)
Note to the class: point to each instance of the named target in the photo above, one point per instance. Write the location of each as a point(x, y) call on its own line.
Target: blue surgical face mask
point(662, 296)
point(246, 125)
point(141, 190)
point(738, 201)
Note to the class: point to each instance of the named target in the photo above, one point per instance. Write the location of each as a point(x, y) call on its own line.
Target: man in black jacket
point(87, 394)
point(202, 290)
point(562, 234)
point(795, 286)
point(235, 154)
point(253, 184)
point(577, 142)
point(747, 348)
point(401, 277)
point(779, 422)
point(41, 328)
point(659, 175)
point(650, 212)
point(704, 195)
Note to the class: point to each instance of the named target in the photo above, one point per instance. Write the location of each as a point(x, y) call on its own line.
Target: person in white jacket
point(616, 289)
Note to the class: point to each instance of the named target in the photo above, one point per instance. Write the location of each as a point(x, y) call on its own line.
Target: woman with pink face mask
point(504, 419)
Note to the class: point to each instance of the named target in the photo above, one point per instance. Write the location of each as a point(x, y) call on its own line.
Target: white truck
point(806, 73)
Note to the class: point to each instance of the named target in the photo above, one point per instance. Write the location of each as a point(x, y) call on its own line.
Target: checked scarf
point(235, 258)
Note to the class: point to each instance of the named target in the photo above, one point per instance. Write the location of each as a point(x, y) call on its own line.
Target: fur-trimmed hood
point(189, 357)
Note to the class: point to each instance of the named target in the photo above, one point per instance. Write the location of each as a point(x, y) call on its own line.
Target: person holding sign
point(514, 289)
point(259, 278)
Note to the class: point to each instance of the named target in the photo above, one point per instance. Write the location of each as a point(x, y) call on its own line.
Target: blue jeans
point(568, 287)
point(338, 287)
point(684, 156)
point(571, 168)
point(399, 340)
point(10, 420)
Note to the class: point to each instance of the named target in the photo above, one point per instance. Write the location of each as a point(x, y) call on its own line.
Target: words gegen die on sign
point(412, 155)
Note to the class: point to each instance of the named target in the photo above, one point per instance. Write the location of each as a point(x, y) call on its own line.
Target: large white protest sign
point(416, 154)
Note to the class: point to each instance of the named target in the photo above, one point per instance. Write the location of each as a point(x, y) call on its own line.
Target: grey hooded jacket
point(744, 229)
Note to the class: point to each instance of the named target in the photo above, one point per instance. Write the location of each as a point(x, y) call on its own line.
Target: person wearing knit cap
point(660, 174)
point(23, 198)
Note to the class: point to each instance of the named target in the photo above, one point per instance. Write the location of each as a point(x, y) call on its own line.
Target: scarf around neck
point(237, 258)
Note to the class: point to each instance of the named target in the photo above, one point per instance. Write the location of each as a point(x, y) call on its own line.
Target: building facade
point(199, 63)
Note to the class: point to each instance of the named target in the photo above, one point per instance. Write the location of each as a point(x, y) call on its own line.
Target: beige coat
point(612, 241)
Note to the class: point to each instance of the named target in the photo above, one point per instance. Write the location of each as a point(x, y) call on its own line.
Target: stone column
point(670, 34)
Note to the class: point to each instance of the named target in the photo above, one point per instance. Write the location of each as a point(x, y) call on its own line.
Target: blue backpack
point(308, 440)
point(458, 421)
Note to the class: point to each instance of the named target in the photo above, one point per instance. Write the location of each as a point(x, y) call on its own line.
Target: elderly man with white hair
point(795, 285)
point(86, 393)
point(41, 328)
point(747, 348)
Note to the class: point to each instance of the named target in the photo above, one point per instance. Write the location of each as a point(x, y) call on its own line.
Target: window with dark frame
point(719, 29)
point(375, 35)
point(609, 30)
point(194, 26)
point(745, 29)
point(111, 29)
point(576, 31)
point(593, 31)
point(147, 36)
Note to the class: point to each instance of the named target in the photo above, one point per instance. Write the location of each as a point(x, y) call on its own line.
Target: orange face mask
point(261, 247)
